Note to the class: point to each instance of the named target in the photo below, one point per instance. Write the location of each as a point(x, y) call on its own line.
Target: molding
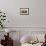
point(24, 27)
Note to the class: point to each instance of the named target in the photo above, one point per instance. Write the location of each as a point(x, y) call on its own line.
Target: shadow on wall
point(16, 43)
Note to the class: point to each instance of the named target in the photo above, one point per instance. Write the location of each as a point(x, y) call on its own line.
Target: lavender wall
point(36, 21)
point(37, 13)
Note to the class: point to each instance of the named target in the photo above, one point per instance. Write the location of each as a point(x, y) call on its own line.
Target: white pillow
point(41, 38)
point(27, 38)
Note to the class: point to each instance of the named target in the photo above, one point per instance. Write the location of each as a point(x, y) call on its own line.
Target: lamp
point(7, 31)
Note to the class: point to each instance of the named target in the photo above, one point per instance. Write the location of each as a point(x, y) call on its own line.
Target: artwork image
point(24, 11)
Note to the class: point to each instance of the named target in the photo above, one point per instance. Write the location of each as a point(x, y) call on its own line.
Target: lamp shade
point(7, 30)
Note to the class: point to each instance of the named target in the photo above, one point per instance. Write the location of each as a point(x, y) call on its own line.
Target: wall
point(38, 13)
point(36, 18)
point(35, 21)
point(12, 9)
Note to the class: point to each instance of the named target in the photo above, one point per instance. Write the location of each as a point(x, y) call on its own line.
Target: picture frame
point(24, 11)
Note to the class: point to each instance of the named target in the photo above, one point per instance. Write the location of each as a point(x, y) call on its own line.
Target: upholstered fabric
point(34, 37)
point(28, 39)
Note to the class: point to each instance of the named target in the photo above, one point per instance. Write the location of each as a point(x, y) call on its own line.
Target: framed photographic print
point(24, 11)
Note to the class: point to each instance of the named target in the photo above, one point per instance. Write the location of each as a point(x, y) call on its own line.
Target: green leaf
point(0, 12)
point(0, 21)
point(4, 13)
point(4, 16)
point(2, 26)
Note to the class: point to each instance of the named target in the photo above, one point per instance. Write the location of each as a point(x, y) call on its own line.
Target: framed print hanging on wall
point(24, 11)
